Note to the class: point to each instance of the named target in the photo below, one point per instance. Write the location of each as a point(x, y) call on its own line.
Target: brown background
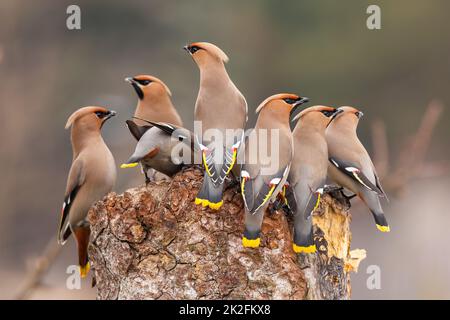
point(319, 49)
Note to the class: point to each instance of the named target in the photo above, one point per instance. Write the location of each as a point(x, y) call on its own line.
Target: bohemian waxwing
point(268, 155)
point(160, 148)
point(308, 172)
point(222, 111)
point(154, 104)
point(91, 177)
point(350, 165)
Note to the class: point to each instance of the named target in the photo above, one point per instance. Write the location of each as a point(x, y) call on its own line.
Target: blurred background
point(399, 77)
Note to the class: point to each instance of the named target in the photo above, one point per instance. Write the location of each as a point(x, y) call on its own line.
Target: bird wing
point(378, 184)
point(74, 182)
point(355, 173)
point(258, 190)
point(211, 168)
point(182, 134)
point(230, 156)
point(136, 130)
point(312, 200)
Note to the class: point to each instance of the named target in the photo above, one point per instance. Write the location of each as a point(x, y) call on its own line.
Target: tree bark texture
point(153, 242)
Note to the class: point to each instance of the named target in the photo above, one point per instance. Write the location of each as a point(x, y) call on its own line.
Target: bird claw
point(279, 205)
point(232, 184)
point(337, 192)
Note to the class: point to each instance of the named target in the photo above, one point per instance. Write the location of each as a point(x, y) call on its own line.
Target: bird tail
point(252, 231)
point(210, 194)
point(307, 202)
point(82, 238)
point(381, 221)
point(373, 202)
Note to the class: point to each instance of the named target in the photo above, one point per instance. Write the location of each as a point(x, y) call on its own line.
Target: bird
point(264, 175)
point(163, 147)
point(221, 109)
point(91, 176)
point(154, 104)
point(350, 166)
point(308, 172)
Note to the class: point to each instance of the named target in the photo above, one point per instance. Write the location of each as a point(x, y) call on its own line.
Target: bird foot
point(338, 193)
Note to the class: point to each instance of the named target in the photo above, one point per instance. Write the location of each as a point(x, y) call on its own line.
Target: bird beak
point(186, 47)
point(359, 114)
point(136, 87)
point(111, 114)
point(298, 103)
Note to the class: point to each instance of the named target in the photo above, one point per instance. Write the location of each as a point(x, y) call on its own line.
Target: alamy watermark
point(73, 281)
point(73, 21)
point(373, 22)
point(373, 281)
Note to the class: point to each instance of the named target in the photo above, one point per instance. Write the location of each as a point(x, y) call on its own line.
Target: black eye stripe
point(327, 113)
point(101, 114)
point(290, 101)
point(143, 82)
point(193, 49)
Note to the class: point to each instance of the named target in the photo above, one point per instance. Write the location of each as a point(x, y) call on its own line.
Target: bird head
point(283, 102)
point(205, 53)
point(317, 114)
point(89, 118)
point(346, 113)
point(148, 87)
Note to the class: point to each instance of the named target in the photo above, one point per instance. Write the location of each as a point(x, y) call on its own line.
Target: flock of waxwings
point(323, 144)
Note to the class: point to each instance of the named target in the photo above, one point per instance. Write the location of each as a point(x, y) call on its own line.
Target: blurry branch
point(38, 269)
point(411, 160)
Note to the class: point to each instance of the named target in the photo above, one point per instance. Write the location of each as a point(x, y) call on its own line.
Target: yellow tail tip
point(84, 270)
point(300, 249)
point(248, 243)
point(128, 165)
point(383, 228)
point(215, 206)
point(202, 202)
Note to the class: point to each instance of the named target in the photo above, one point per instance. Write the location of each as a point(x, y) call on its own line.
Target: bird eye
point(327, 113)
point(100, 114)
point(359, 114)
point(193, 49)
point(143, 82)
point(289, 100)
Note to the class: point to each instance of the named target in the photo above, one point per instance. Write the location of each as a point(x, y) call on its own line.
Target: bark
point(154, 243)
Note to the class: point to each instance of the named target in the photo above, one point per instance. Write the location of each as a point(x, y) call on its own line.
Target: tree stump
point(153, 242)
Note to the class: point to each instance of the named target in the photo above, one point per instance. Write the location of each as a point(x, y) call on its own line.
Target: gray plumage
point(308, 172)
point(263, 178)
point(350, 165)
point(219, 106)
point(155, 148)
